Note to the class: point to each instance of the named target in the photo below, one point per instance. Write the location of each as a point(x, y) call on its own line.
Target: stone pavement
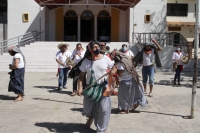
point(44, 109)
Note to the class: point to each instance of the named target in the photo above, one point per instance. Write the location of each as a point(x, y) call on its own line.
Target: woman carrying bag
point(96, 107)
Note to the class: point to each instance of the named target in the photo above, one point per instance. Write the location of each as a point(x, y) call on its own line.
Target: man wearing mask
point(126, 51)
point(63, 68)
point(94, 64)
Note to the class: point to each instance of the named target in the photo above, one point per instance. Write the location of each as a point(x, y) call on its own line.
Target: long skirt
point(100, 111)
point(16, 83)
point(130, 93)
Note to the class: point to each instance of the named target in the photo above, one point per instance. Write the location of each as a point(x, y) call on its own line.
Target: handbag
point(94, 93)
point(175, 65)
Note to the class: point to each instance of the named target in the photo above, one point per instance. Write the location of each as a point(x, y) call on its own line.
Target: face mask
point(96, 52)
point(178, 49)
point(124, 49)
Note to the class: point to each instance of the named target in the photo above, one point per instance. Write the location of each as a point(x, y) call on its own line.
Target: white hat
point(63, 44)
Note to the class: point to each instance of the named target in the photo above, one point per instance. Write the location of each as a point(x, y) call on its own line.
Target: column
point(95, 26)
point(79, 27)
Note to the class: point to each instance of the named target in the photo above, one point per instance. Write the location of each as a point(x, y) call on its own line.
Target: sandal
point(89, 123)
point(74, 94)
point(18, 99)
point(150, 95)
point(135, 106)
point(124, 112)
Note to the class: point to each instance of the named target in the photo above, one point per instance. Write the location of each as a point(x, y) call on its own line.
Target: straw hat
point(63, 44)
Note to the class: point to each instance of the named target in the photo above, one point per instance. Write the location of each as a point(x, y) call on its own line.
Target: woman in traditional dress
point(16, 83)
point(94, 65)
point(130, 93)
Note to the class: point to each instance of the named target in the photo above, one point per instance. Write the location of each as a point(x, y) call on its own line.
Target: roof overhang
point(181, 23)
point(120, 4)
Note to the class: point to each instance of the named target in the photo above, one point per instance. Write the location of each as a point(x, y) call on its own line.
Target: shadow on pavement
point(5, 97)
point(64, 127)
point(54, 89)
point(161, 113)
point(170, 83)
point(46, 87)
point(77, 109)
point(55, 101)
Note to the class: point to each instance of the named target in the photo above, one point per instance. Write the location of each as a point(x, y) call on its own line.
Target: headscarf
point(126, 63)
point(75, 70)
point(17, 50)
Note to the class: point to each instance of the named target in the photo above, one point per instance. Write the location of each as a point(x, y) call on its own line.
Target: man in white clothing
point(63, 67)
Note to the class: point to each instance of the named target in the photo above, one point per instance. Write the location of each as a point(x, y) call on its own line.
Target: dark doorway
point(87, 26)
point(104, 26)
point(70, 26)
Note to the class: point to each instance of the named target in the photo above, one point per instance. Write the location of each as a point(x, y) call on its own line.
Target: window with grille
point(177, 9)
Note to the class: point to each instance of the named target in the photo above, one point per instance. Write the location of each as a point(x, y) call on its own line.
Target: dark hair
point(78, 44)
point(75, 70)
point(12, 52)
point(124, 45)
point(107, 47)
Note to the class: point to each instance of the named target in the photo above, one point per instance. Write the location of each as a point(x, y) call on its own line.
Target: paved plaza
point(44, 109)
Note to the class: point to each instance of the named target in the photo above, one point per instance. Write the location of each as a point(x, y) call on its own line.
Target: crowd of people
point(96, 72)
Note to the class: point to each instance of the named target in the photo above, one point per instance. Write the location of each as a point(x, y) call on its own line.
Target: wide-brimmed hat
point(63, 44)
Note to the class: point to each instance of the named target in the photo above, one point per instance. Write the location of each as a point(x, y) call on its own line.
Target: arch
point(70, 26)
point(104, 26)
point(87, 14)
point(71, 14)
point(87, 25)
point(103, 14)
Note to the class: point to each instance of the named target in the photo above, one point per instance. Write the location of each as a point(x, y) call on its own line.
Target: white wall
point(191, 11)
point(157, 10)
point(16, 26)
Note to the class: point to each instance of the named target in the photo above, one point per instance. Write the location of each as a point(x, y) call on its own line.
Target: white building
point(113, 21)
point(181, 18)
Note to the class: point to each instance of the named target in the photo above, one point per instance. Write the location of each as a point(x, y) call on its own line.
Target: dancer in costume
point(63, 67)
point(16, 83)
point(94, 65)
point(130, 94)
point(149, 57)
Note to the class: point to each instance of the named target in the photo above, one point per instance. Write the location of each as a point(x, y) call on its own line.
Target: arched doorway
point(104, 26)
point(87, 26)
point(70, 26)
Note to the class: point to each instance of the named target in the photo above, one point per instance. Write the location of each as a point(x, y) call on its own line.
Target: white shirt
point(96, 69)
point(125, 75)
point(129, 53)
point(77, 58)
point(62, 58)
point(177, 56)
point(148, 59)
point(21, 60)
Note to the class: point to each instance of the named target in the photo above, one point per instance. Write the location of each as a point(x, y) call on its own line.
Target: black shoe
point(179, 84)
point(174, 83)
